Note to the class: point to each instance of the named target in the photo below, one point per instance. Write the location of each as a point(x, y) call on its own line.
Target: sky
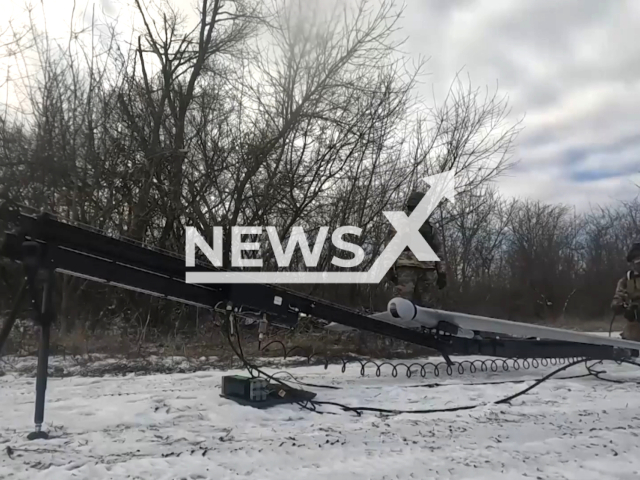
point(571, 70)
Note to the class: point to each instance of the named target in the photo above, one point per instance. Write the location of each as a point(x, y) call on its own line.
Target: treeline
point(525, 260)
point(251, 114)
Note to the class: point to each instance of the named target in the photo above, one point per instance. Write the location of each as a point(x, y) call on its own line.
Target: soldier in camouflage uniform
point(415, 280)
point(626, 300)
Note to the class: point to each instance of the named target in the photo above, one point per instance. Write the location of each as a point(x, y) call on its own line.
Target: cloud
point(571, 67)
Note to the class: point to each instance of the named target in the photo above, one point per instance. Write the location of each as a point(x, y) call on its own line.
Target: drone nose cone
point(402, 308)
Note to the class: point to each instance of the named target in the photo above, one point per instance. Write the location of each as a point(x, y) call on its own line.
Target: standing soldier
point(627, 297)
point(415, 280)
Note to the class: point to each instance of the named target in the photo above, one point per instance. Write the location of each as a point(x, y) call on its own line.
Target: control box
point(246, 388)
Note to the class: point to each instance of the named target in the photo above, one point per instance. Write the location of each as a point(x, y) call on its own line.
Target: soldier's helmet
point(634, 252)
point(414, 199)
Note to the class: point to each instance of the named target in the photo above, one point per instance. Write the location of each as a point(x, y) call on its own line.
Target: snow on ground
point(176, 426)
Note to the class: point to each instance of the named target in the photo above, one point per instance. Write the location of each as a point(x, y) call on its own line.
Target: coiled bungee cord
point(424, 369)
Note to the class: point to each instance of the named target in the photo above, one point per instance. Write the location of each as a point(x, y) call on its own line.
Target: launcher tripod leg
point(10, 322)
point(45, 317)
point(41, 382)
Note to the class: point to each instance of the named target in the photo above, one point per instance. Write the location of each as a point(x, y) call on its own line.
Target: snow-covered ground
point(176, 426)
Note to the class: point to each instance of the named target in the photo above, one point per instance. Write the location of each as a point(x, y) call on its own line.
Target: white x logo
point(407, 228)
